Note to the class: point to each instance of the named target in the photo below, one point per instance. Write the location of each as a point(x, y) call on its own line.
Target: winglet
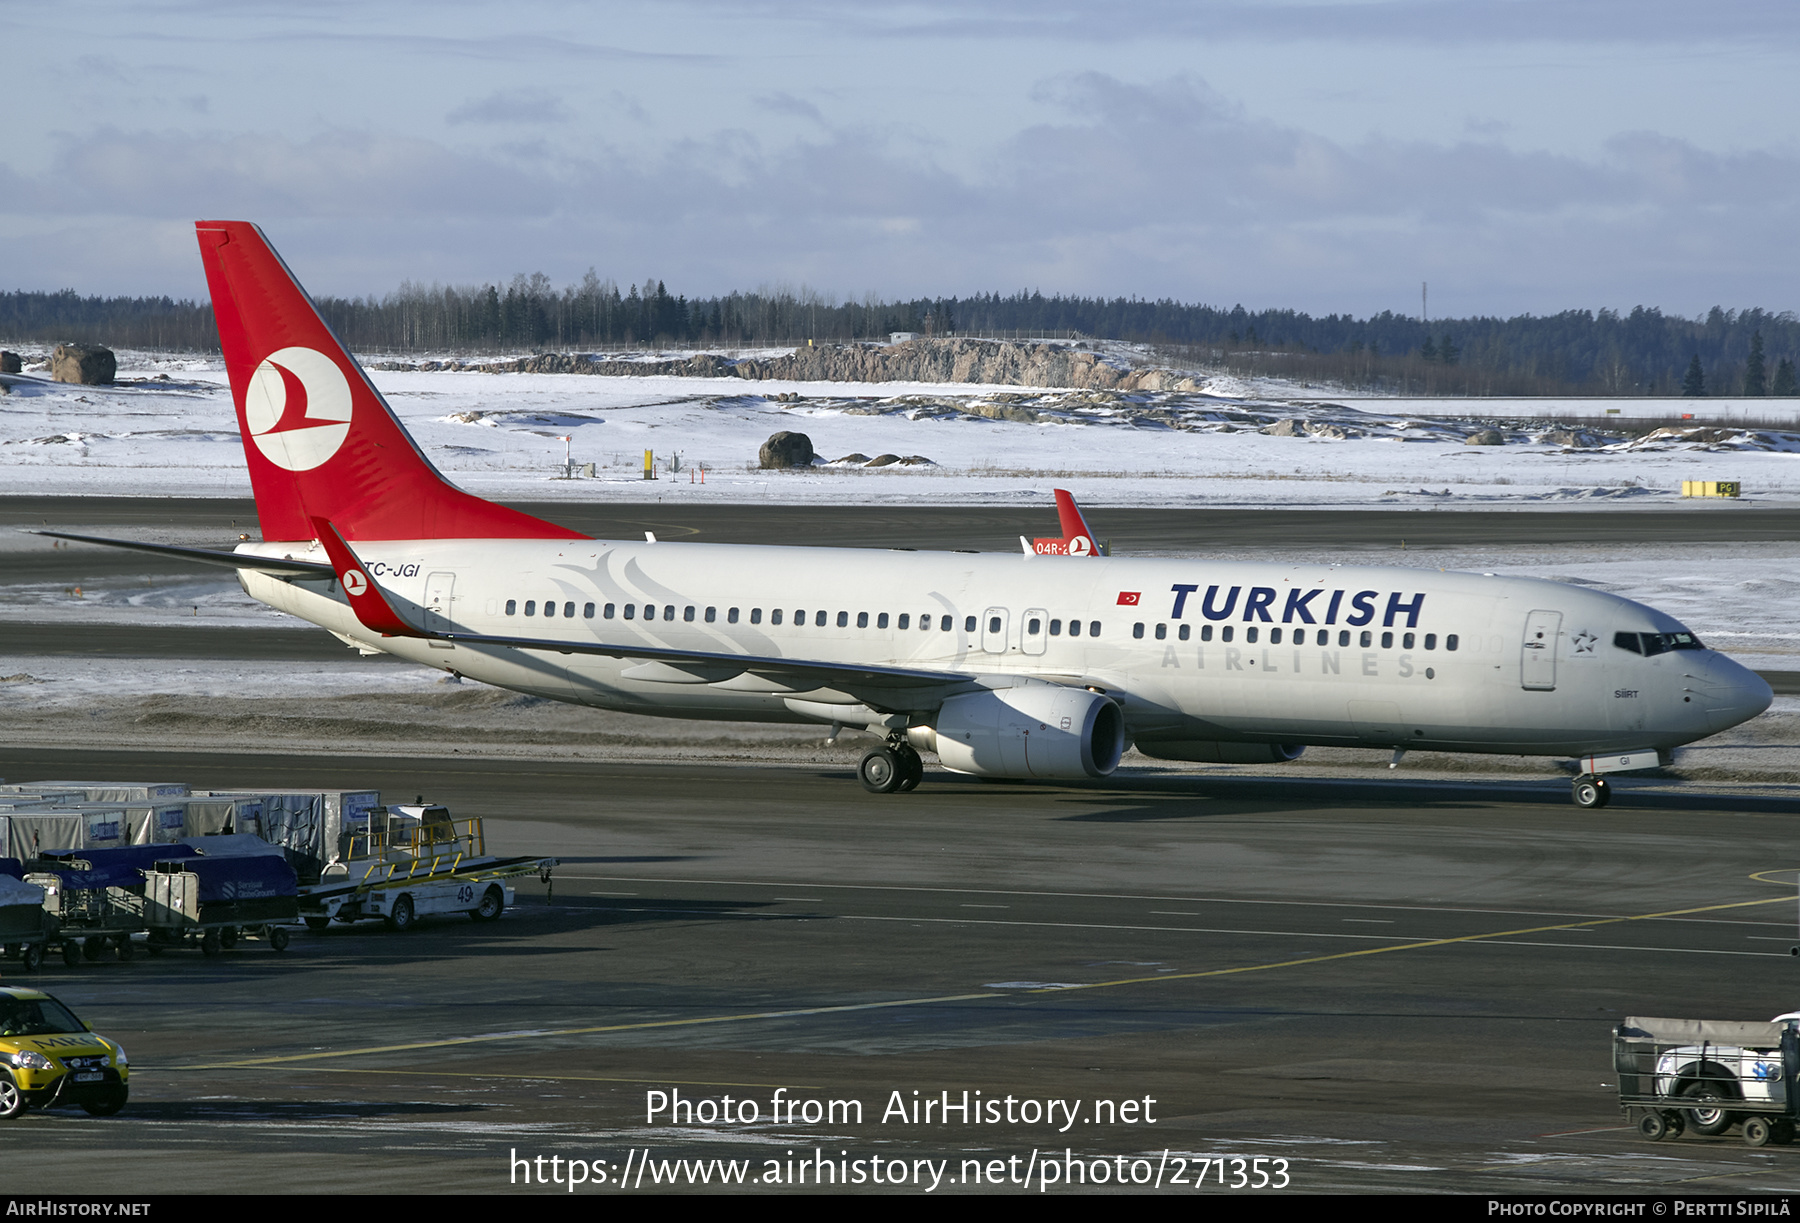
point(365, 597)
point(1077, 539)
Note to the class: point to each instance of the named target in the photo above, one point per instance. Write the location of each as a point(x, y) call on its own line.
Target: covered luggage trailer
point(211, 902)
point(1707, 1076)
point(26, 927)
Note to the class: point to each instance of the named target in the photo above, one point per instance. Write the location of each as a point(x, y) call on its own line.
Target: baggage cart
point(1707, 1076)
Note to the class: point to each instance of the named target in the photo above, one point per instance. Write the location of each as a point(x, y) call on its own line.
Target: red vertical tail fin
point(1077, 539)
point(320, 440)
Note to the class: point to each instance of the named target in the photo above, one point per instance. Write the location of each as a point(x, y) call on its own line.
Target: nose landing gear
point(1591, 793)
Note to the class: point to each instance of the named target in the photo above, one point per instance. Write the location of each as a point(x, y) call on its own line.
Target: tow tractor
point(415, 861)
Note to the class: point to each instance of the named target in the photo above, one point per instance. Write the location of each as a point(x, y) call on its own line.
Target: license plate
point(88, 1076)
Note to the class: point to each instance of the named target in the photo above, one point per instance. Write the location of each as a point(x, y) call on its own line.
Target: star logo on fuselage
point(1584, 642)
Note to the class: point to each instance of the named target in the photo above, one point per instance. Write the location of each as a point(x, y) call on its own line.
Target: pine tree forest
point(1607, 353)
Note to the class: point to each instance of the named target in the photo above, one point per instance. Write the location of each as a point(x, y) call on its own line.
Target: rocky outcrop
point(954, 360)
point(1486, 437)
point(786, 449)
point(87, 364)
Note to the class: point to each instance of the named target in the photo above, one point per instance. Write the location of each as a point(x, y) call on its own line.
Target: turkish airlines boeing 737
point(1044, 664)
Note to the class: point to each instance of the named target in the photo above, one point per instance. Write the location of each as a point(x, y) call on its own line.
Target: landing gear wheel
point(32, 957)
point(1710, 1116)
point(401, 919)
point(314, 922)
point(493, 904)
point(1653, 1127)
point(1591, 793)
point(278, 938)
point(880, 771)
point(1758, 1131)
point(912, 770)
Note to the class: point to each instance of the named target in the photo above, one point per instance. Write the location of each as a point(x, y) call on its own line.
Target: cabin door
point(1537, 658)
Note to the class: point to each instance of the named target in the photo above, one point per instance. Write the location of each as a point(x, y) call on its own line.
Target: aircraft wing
point(881, 684)
point(282, 566)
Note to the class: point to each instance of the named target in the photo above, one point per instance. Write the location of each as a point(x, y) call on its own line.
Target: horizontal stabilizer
point(281, 566)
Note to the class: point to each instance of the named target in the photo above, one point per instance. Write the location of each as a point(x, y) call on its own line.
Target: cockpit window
point(1652, 644)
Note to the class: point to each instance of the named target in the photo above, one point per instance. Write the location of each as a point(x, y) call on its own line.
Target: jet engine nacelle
point(1207, 751)
point(1033, 730)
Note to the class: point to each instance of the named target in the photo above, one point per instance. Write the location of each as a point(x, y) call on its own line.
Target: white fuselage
point(1209, 651)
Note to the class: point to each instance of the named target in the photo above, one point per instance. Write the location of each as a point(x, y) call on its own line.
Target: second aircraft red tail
point(320, 440)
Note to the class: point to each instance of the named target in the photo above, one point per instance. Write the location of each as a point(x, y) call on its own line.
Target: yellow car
point(49, 1057)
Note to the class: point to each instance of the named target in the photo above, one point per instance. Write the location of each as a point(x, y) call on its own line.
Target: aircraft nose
point(1727, 692)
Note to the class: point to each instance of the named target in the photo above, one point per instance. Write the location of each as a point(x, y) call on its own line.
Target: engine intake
point(1033, 730)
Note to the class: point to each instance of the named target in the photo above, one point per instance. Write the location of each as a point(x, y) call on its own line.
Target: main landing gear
point(1590, 792)
point(894, 767)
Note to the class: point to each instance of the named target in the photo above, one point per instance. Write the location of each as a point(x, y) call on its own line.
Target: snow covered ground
point(169, 429)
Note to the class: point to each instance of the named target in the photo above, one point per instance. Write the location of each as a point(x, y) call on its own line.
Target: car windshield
point(35, 1017)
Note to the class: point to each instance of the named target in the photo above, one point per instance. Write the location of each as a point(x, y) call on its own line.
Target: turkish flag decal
point(1128, 598)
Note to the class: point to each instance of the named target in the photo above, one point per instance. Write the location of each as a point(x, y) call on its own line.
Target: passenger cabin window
point(774, 616)
point(531, 607)
point(1367, 639)
point(587, 611)
point(1406, 642)
point(862, 620)
point(731, 616)
point(1387, 641)
point(550, 608)
point(1093, 628)
point(712, 613)
point(1074, 628)
point(1431, 641)
point(1137, 630)
point(1205, 631)
point(669, 612)
point(1162, 631)
point(904, 622)
point(1250, 634)
point(1344, 636)
point(606, 613)
point(1450, 642)
point(631, 611)
point(946, 624)
point(512, 607)
point(1056, 628)
point(1033, 627)
point(1182, 632)
point(687, 614)
point(968, 624)
point(756, 615)
point(1225, 632)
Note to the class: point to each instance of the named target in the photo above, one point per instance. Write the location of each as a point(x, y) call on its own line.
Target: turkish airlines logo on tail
point(1077, 545)
point(354, 582)
point(298, 408)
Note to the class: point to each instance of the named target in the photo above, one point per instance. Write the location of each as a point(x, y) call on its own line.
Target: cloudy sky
point(1520, 155)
